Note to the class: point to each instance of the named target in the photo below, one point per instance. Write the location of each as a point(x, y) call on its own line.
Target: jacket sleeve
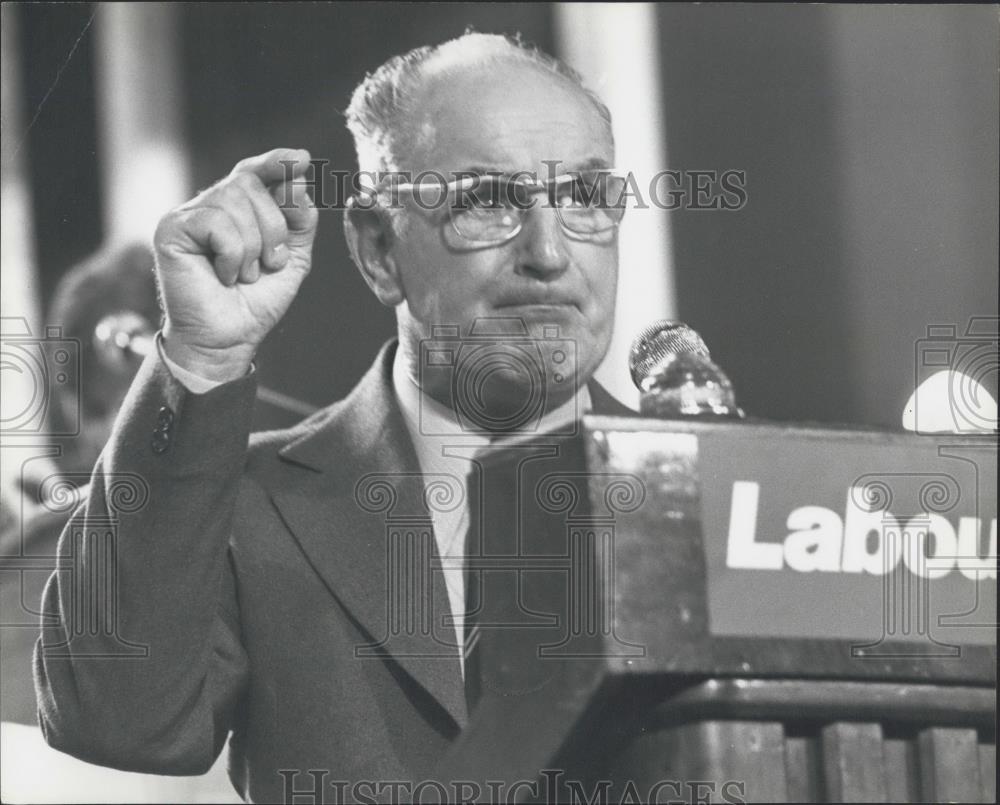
point(140, 665)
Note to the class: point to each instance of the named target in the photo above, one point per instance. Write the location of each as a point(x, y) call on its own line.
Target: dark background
point(868, 135)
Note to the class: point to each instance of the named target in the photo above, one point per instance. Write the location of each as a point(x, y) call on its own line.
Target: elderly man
point(251, 582)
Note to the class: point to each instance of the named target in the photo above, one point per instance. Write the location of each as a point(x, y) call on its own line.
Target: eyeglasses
point(489, 209)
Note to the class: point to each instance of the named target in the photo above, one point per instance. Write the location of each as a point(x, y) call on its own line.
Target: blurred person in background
point(108, 305)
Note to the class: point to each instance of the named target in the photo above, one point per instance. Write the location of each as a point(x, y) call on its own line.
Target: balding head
point(381, 115)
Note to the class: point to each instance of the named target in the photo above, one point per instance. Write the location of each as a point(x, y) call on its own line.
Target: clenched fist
point(231, 260)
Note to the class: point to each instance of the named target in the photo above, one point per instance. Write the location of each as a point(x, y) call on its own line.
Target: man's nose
point(543, 253)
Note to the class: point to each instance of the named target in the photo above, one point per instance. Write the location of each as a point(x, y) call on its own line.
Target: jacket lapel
point(362, 520)
point(601, 402)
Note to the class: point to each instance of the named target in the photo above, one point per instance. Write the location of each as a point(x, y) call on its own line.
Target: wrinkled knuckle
point(215, 196)
point(253, 241)
point(167, 227)
point(248, 182)
point(274, 223)
point(243, 166)
point(238, 251)
point(208, 193)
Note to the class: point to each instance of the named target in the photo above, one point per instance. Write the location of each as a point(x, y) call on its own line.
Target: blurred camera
point(37, 372)
point(971, 360)
point(500, 377)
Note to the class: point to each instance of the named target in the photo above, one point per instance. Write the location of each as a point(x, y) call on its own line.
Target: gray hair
point(381, 102)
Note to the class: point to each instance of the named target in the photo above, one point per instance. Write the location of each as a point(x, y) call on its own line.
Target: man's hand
point(231, 260)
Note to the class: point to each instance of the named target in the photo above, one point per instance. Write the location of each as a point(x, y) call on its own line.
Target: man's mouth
point(540, 301)
point(541, 311)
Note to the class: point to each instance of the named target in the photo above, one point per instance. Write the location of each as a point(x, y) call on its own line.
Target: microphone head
point(673, 369)
point(658, 344)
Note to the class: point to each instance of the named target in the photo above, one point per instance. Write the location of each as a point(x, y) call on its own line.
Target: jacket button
point(161, 441)
point(165, 417)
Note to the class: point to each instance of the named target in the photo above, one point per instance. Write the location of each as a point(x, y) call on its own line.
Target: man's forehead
point(507, 118)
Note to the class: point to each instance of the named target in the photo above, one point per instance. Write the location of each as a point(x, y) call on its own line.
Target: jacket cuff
point(194, 383)
point(185, 431)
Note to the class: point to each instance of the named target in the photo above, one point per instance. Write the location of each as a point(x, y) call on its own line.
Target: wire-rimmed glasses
point(489, 209)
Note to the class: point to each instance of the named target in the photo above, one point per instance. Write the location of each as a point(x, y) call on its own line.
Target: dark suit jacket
point(250, 590)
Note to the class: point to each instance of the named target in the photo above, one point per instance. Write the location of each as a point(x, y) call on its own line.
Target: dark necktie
point(514, 600)
point(491, 547)
point(473, 687)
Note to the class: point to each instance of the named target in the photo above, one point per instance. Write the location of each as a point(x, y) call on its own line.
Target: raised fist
point(231, 260)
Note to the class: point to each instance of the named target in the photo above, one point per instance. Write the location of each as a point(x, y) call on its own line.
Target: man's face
point(509, 119)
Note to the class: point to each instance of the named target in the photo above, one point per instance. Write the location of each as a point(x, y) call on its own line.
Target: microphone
point(121, 335)
point(673, 370)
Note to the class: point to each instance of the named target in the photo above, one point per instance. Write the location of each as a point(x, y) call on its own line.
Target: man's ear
point(369, 237)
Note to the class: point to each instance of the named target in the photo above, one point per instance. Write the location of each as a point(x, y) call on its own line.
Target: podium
point(747, 612)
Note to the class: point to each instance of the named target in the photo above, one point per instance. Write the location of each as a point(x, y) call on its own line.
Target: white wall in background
point(615, 47)
point(140, 109)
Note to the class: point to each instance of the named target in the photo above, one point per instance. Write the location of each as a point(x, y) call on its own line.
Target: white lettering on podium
point(742, 550)
point(919, 559)
point(864, 541)
point(859, 525)
point(814, 543)
point(972, 564)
